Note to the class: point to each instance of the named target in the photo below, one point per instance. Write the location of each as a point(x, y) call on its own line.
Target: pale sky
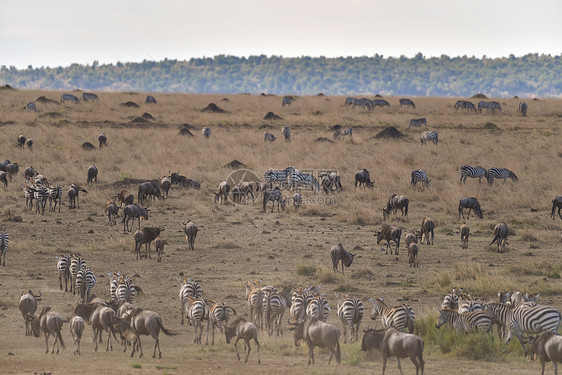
point(58, 33)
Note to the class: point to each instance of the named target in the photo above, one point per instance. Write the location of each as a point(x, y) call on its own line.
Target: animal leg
point(236, 348)
point(46, 343)
point(247, 343)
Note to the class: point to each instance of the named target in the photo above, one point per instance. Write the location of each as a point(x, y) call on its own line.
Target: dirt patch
point(389, 132)
point(51, 115)
point(317, 113)
point(479, 96)
point(323, 139)
point(130, 104)
point(139, 119)
point(213, 108)
point(235, 164)
point(45, 100)
point(272, 116)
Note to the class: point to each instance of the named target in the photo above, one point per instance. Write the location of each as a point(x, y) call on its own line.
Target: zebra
point(299, 300)
point(450, 301)
point(470, 305)
point(298, 178)
point(206, 132)
point(536, 319)
point(407, 103)
point(188, 288)
point(90, 96)
point(482, 105)
point(197, 312)
point(286, 131)
point(418, 122)
point(350, 312)
point(464, 104)
point(54, 195)
point(429, 136)
point(523, 108)
point(556, 203)
point(501, 314)
point(495, 106)
point(76, 264)
point(29, 195)
point(219, 315)
point(4, 241)
point(40, 194)
point(125, 289)
point(63, 266)
point(472, 172)
point(318, 308)
point(380, 103)
point(30, 107)
point(343, 131)
point(69, 97)
point(279, 177)
point(498, 173)
point(85, 281)
point(419, 175)
point(363, 103)
point(348, 101)
point(274, 195)
point(274, 306)
point(287, 100)
point(254, 298)
point(399, 317)
point(479, 321)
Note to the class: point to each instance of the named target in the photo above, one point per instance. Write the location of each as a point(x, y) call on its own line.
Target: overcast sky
point(59, 33)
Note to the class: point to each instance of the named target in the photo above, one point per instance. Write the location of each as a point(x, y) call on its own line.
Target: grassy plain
point(237, 243)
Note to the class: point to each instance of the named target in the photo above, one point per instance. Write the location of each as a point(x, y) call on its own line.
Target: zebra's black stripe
point(4, 241)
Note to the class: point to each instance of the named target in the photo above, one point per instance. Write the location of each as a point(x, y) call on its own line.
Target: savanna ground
point(237, 243)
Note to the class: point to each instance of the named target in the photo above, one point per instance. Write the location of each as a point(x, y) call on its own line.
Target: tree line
point(525, 76)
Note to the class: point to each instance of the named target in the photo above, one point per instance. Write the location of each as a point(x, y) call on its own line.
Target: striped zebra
point(4, 241)
point(343, 131)
point(501, 314)
point(464, 104)
point(126, 290)
point(364, 103)
point(499, 173)
point(69, 98)
point(479, 321)
point(380, 103)
point(469, 305)
point(274, 306)
point(348, 101)
point(197, 313)
point(188, 288)
point(318, 308)
point(113, 285)
point(482, 105)
point(278, 177)
point(429, 137)
point(54, 195)
point(418, 122)
point(219, 315)
point(472, 172)
point(350, 312)
point(63, 267)
point(495, 106)
point(40, 194)
point(523, 108)
point(399, 317)
point(268, 137)
point(419, 175)
point(206, 132)
point(29, 195)
point(525, 319)
point(407, 103)
point(297, 178)
point(87, 96)
point(286, 131)
point(85, 281)
point(76, 264)
point(299, 299)
point(450, 301)
point(254, 298)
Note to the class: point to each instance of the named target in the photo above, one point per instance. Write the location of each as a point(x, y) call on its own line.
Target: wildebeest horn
point(37, 297)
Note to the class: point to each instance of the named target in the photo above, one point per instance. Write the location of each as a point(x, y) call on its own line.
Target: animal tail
point(495, 239)
point(166, 332)
point(338, 351)
point(406, 210)
point(60, 339)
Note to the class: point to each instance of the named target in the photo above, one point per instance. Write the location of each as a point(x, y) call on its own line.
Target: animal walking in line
point(427, 228)
point(190, 233)
point(243, 330)
point(465, 233)
point(50, 323)
point(500, 236)
point(413, 250)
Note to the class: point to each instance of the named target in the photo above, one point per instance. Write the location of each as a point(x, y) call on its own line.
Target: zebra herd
point(490, 174)
point(367, 104)
point(72, 268)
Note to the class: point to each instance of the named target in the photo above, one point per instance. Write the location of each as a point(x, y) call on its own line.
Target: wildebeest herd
point(311, 327)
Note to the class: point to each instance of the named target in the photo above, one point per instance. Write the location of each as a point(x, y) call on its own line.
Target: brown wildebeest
point(146, 322)
point(243, 330)
point(556, 203)
point(316, 333)
point(125, 197)
point(101, 318)
point(190, 233)
point(427, 228)
point(28, 306)
point(145, 236)
point(389, 233)
point(50, 323)
point(76, 330)
point(465, 233)
point(547, 347)
point(338, 253)
point(413, 254)
point(500, 236)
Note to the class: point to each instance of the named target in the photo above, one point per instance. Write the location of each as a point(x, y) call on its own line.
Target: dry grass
point(239, 243)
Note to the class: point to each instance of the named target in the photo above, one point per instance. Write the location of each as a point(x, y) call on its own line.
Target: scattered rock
point(389, 132)
point(235, 164)
point(130, 104)
point(479, 96)
point(88, 146)
point(271, 116)
point(148, 116)
point(212, 107)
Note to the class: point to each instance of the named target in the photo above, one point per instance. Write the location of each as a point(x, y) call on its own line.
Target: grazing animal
point(389, 233)
point(4, 178)
point(380, 103)
point(418, 122)
point(92, 174)
point(297, 200)
point(243, 330)
point(470, 321)
point(556, 203)
point(500, 236)
point(427, 228)
point(413, 255)
point(411, 237)
point(393, 343)
point(148, 323)
point(316, 333)
point(547, 347)
point(463, 104)
point(190, 231)
point(363, 103)
point(500, 173)
point(523, 109)
point(206, 132)
point(76, 329)
point(472, 172)
point(465, 233)
point(350, 311)
point(112, 210)
point(12, 169)
point(30, 107)
point(159, 245)
point(28, 306)
point(297, 178)
point(28, 173)
point(489, 106)
point(268, 137)
point(222, 195)
point(148, 189)
point(338, 253)
point(419, 175)
point(69, 98)
point(362, 177)
point(274, 195)
point(50, 323)
point(340, 132)
point(145, 236)
point(472, 204)
point(280, 177)
point(407, 103)
point(88, 96)
point(331, 181)
point(165, 183)
point(191, 288)
point(395, 203)
point(150, 100)
point(73, 192)
point(102, 138)
point(133, 211)
point(286, 131)
point(4, 242)
point(429, 136)
point(21, 142)
point(125, 197)
point(184, 181)
point(399, 317)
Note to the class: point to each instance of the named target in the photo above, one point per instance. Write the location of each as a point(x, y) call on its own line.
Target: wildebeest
point(274, 195)
point(69, 98)
point(125, 197)
point(4, 178)
point(286, 131)
point(50, 323)
point(145, 236)
point(338, 253)
point(268, 137)
point(133, 211)
point(393, 343)
point(184, 181)
point(148, 189)
point(165, 183)
point(500, 236)
point(28, 306)
point(12, 169)
point(21, 141)
point(330, 181)
point(30, 107)
point(556, 203)
point(395, 203)
point(102, 138)
point(29, 143)
point(101, 318)
point(190, 231)
point(76, 329)
point(92, 174)
point(89, 96)
point(29, 173)
point(389, 233)
point(413, 254)
point(243, 330)
point(417, 122)
point(316, 333)
point(547, 347)
point(146, 322)
point(411, 237)
point(465, 233)
point(297, 200)
point(362, 177)
point(222, 195)
point(427, 228)
point(472, 204)
point(159, 245)
point(287, 100)
point(73, 192)
point(112, 210)
point(150, 100)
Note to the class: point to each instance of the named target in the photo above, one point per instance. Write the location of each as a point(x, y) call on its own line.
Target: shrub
point(303, 270)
